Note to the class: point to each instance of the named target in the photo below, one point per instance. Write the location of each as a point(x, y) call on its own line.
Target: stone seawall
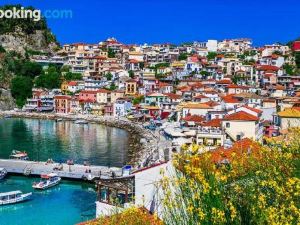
point(142, 143)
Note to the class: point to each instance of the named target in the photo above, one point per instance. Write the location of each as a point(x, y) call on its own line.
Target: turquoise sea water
point(44, 139)
point(66, 204)
point(70, 202)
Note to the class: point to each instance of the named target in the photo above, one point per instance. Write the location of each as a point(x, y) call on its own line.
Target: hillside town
point(211, 93)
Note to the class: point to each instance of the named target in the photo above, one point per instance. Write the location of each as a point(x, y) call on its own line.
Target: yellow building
point(289, 118)
point(116, 94)
point(64, 87)
point(131, 87)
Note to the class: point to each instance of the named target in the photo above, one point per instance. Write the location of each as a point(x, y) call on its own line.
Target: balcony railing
point(210, 131)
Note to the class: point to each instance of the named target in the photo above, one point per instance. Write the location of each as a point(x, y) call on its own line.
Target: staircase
point(232, 137)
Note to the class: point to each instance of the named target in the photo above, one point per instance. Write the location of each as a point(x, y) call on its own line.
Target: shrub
point(256, 187)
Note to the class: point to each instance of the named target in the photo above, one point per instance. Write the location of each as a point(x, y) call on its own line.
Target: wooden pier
point(76, 171)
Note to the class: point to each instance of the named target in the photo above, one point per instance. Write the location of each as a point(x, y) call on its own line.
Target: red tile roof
point(173, 96)
point(230, 99)
point(103, 91)
point(72, 83)
point(237, 86)
point(66, 97)
point(296, 46)
point(253, 109)
point(194, 118)
point(88, 92)
point(163, 84)
point(279, 87)
point(199, 96)
point(224, 81)
point(242, 116)
point(213, 123)
point(268, 67)
point(244, 146)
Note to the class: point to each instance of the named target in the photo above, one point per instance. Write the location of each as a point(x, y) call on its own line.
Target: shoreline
point(142, 143)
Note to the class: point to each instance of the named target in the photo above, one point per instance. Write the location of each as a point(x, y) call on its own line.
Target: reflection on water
point(43, 139)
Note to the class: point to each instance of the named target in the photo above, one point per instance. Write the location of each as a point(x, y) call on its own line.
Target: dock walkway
point(69, 171)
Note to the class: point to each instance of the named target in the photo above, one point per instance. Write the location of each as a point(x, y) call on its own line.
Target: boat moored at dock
point(13, 197)
point(81, 122)
point(18, 155)
point(48, 180)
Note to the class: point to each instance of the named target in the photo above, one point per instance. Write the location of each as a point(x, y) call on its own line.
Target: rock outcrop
point(20, 42)
point(7, 102)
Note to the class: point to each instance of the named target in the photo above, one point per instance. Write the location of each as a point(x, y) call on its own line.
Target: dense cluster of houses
point(211, 93)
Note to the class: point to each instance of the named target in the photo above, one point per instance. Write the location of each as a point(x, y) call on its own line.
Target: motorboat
point(3, 173)
point(81, 122)
point(47, 181)
point(19, 155)
point(13, 197)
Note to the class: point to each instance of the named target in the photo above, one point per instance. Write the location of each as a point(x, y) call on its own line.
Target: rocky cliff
point(19, 39)
point(6, 100)
point(21, 42)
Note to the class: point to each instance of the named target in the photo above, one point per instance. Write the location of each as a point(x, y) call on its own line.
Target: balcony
point(210, 131)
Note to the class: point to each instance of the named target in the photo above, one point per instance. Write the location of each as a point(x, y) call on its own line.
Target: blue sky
point(174, 21)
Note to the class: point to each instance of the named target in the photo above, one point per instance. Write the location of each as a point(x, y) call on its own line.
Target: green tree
point(204, 73)
point(49, 79)
point(30, 69)
point(72, 76)
point(211, 55)
point(111, 53)
point(21, 89)
point(160, 65)
point(142, 65)
point(297, 59)
point(112, 86)
point(289, 69)
point(235, 79)
point(131, 74)
point(138, 100)
point(2, 50)
point(182, 56)
point(65, 68)
point(108, 76)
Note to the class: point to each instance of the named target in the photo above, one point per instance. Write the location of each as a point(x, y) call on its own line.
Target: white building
point(212, 45)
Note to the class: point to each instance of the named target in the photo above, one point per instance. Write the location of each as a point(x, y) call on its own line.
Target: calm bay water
point(66, 204)
point(69, 202)
point(44, 139)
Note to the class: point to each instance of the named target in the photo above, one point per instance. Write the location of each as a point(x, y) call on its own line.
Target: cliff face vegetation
point(21, 35)
point(19, 39)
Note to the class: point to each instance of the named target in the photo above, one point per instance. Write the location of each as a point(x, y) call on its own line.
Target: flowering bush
point(252, 187)
point(130, 216)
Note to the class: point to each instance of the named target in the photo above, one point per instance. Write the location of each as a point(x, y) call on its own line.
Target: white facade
point(243, 129)
point(212, 45)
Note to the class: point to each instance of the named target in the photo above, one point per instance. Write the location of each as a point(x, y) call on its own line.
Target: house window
point(238, 137)
point(227, 125)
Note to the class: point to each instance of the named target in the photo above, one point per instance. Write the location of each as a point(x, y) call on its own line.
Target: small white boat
point(59, 120)
point(13, 197)
point(47, 181)
point(18, 155)
point(3, 173)
point(81, 122)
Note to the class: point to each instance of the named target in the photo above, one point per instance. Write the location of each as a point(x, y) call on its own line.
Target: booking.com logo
point(36, 14)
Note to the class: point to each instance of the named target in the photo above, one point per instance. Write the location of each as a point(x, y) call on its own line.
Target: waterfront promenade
point(76, 171)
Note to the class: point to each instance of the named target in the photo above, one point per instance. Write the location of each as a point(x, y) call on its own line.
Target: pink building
point(62, 104)
point(88, 96)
